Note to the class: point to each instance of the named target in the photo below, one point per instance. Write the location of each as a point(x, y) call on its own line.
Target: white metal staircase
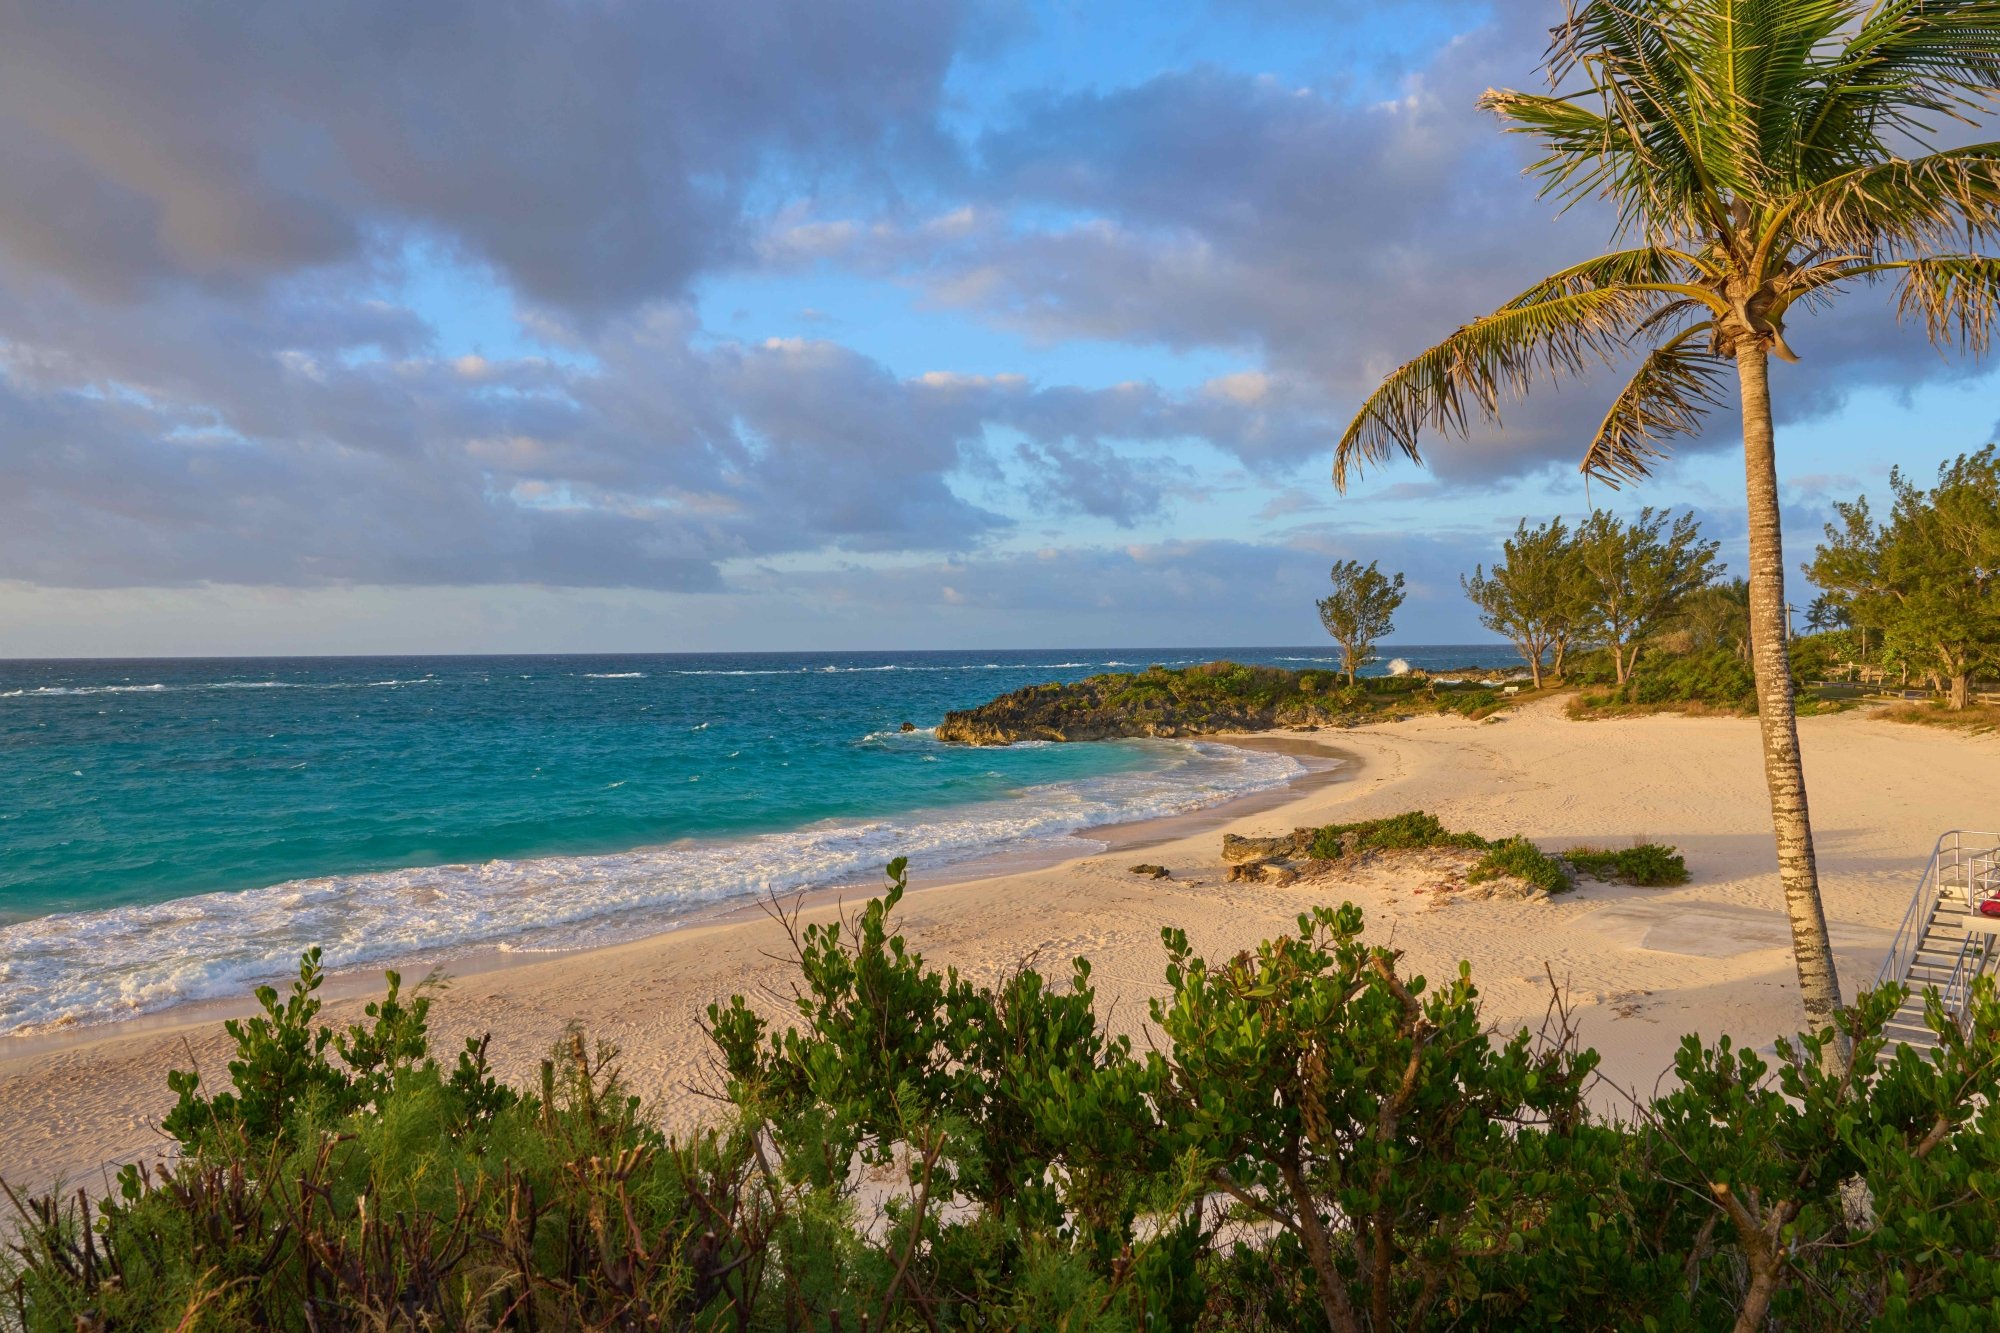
point(1946, 939)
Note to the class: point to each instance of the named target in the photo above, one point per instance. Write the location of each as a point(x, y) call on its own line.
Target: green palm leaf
point(1670, 395)
point(1466, 376)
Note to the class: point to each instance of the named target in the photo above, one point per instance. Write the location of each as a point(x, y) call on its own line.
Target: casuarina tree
point(1930, 576)
point(1533, 596)
point(1638, 576)
point(1360, 612)
point(1760, 155)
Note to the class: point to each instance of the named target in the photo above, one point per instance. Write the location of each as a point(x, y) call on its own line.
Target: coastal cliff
point(1200, 700)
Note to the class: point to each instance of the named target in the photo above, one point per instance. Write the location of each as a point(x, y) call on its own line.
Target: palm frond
point(1906, 63)
point(1649, 264)
point(1746, 61)
point(1466, 376)
point(1958, 297)
point(1898, 205)
point(1672, 392)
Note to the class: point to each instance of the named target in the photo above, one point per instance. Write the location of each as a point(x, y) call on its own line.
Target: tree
point(1718, 617)
point(1530, 598)
point(1360, 612)
point(1750, 149)
point(1639, 574)
point(1826, 614)
point(1929, 578)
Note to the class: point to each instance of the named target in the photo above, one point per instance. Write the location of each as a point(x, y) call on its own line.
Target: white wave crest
point(94, 966)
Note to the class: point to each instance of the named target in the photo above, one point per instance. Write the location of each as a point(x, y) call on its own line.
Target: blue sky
point(741, 324)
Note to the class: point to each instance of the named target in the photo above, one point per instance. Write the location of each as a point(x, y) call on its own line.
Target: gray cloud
point(1330, 236)
point(597, 154)
point(194, 389)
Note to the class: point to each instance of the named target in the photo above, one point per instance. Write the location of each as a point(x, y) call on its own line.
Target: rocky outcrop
point(1148, 868)
point(1194, 701)
point(1235, 847)
point(1219, 696)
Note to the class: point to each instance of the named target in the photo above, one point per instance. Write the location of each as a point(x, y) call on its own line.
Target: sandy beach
point(1643, 966)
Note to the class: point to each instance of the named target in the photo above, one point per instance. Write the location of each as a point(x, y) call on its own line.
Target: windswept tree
point(1360, 611)
point(1531, 598)
point(1930, 576)
point(1639, 575)
point(1760, 155)
point(1718, 618)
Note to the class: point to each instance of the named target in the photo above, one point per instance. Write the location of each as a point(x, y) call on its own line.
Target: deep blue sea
point(180, 829)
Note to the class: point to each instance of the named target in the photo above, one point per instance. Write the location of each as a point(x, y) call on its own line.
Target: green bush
point(1317, 1139)
point(1411, 829)
point(1718, 678)
point(1522, 860)
point(1648, 864)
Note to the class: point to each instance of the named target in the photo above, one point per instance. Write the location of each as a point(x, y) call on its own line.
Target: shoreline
point(1323, 764)
point(1642, 966)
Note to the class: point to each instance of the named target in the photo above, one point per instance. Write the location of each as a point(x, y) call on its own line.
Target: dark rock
point(907, 726)
point(1157, 872)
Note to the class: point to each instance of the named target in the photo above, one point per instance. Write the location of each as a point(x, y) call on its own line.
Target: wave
point(97, 966)
point(831, 669)
point(56, 691)
point(614, 675)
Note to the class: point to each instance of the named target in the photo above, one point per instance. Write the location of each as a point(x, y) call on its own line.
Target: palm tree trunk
point(1784, 774)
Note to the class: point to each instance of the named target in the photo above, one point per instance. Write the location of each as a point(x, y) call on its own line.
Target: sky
point(596, 325)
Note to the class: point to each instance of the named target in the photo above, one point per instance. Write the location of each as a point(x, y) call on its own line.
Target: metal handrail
point(1949, 854)
point(1980, 870)
point(1953, 865)
point(1917, 918)
point(1956, 993)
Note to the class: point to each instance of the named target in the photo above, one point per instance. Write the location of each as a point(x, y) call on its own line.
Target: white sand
point(1644, 965)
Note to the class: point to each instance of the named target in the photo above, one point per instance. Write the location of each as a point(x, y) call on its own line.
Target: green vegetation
point(1535, 596)
point(1714, 681)
point(1317, 1140)
point(1214, 696)
point(1927, 580)
point(1636, 577)
point(1517, 858)
point(1648, 864)
point(1616, 593)
point(1360, 611)
point(1753, 155)
point(1411, 829)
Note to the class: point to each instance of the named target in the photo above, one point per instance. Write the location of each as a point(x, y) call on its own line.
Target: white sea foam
point(92, 966)
point(59, 691)
point(614, 675)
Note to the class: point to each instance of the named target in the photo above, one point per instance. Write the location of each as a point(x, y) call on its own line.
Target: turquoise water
point(172, 830)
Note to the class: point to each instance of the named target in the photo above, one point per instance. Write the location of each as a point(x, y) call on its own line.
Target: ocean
point(181, 829)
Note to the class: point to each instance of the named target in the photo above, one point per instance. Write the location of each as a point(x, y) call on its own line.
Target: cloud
point(597, 154)
point(206, 375)
point(1089, 477)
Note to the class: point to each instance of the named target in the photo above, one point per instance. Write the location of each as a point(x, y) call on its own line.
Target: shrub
point(1718, 678)
point(1520, 859)
point(281, 1076)
point(1411, 829)
point(1648, 864)
point(1385, 1162)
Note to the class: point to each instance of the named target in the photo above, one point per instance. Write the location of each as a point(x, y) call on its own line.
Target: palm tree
point(1760, 155)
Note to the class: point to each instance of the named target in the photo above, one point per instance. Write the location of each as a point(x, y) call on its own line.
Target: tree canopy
point(1929, 577)
point(1360, 611)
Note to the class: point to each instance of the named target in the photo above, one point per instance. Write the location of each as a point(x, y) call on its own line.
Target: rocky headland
point(1213, 697)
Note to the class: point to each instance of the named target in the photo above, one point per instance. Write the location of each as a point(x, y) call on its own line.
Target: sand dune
point(1644, 965)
